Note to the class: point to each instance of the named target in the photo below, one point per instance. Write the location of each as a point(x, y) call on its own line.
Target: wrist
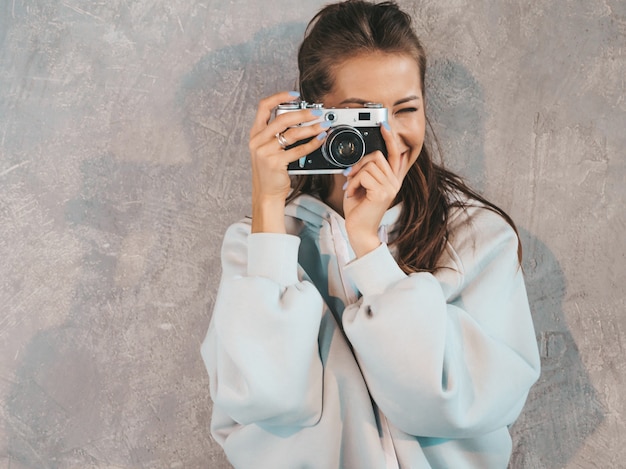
point(364, 244)
point(268, 215)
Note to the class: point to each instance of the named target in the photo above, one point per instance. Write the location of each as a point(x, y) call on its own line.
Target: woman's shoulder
point(477, 231)
point(237, 232)
point(466, 212)
point(235, 243)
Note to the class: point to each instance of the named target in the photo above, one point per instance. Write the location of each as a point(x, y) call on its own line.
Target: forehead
point(375, 76)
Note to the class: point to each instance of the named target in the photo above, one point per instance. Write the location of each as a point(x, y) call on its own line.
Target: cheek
point(417, 141)
point(416, 136)
point(416, 126)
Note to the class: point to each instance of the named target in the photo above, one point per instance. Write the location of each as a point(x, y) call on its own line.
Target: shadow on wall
point(220, 97)
point(455, 106)
point(563, 407)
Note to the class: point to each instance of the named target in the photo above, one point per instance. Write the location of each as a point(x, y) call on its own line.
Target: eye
point(406, 110)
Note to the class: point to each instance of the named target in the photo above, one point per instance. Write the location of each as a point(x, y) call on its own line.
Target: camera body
point(354, 133)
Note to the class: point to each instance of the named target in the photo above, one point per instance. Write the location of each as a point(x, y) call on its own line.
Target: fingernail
point(345, 185)
point(326, 124)
point(347, 171)
point(316, 112)
point(385, 124)
point(295, 94)
point(322, 136)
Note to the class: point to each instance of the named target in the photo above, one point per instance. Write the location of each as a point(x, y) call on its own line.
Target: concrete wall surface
point(123, 158)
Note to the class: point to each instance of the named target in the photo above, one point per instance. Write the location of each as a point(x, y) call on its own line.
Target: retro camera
point(354, 133)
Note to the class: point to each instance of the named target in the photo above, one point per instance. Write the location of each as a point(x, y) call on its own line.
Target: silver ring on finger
point(282, 141)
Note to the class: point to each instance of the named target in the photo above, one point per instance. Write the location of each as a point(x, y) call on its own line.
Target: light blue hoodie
point(320, 360)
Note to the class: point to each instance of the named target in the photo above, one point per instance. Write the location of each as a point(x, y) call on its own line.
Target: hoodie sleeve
point(447, 366)
point(261, 350)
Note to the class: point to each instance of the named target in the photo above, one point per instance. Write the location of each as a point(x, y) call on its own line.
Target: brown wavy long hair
point(429, 191)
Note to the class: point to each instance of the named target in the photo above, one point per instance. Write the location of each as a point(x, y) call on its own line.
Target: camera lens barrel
point(344, 146)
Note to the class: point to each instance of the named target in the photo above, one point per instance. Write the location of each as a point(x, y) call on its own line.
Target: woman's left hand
point(371, 188)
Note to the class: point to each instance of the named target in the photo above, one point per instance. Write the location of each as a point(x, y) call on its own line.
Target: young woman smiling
point(375, 318)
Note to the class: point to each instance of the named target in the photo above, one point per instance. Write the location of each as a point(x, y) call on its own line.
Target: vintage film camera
point(354, 133)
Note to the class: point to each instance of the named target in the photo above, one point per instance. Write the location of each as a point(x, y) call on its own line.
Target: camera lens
point(344, 147)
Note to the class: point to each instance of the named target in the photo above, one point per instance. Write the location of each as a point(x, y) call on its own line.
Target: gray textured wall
point(123, 158)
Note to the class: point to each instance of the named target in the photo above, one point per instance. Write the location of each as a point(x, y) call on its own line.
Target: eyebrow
point(363, 101)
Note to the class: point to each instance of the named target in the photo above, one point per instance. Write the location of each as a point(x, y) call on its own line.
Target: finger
point(376, 157)
point(303, 119)
point(393, 153)
point(374, 175)
point(267, 143)
point(376, 172)
point(367, 178)
point(362, 184)
point(266, 105)
point(297, 152)
point(272, 149)
point(303, 133)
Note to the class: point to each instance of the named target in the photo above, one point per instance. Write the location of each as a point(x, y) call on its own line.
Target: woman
point(378, 319)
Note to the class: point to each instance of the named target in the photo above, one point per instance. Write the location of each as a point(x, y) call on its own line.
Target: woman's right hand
point(270, 180)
